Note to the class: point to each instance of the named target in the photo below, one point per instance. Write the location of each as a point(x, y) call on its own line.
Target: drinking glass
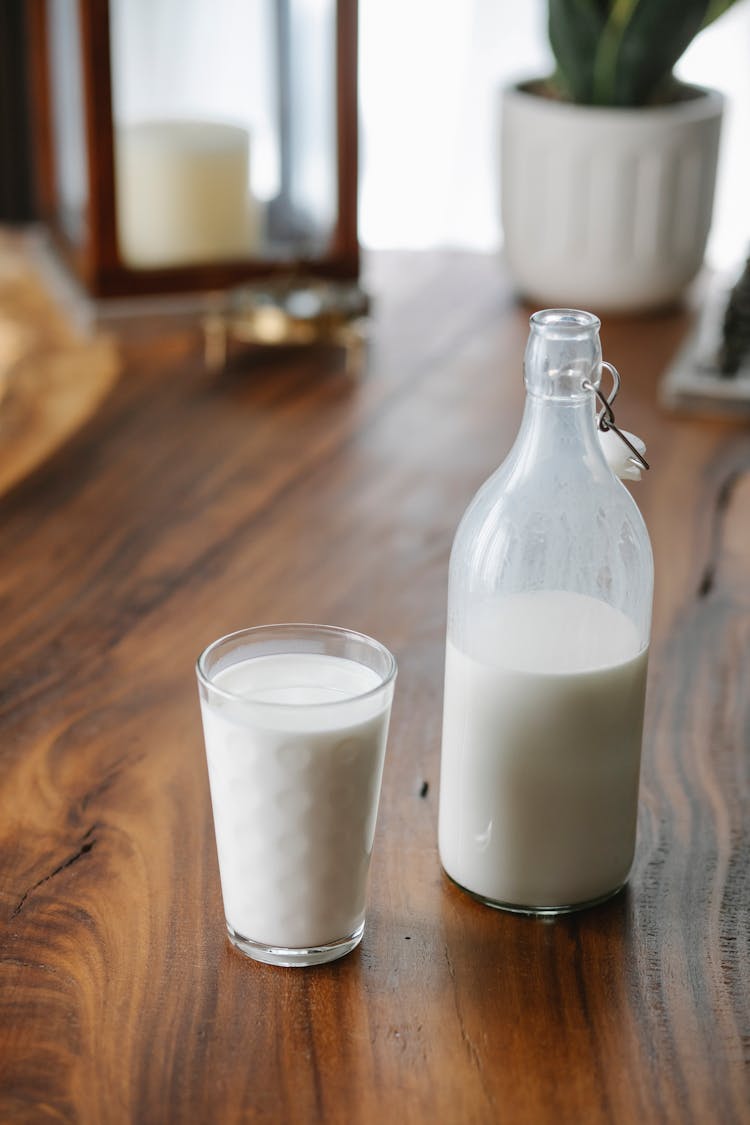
point(295, 719)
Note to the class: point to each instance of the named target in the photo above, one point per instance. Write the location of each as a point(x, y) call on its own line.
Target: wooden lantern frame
point(97, 262)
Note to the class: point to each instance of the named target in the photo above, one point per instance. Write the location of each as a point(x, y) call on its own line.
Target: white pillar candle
point(182, 193)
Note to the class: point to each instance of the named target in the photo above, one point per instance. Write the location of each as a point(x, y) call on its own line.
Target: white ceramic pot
point(606, 209)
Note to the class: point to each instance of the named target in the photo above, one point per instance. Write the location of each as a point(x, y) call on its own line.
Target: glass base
point(539, 911)
point(295, 957)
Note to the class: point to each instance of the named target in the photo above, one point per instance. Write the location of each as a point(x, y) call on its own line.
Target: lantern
point(197, 145)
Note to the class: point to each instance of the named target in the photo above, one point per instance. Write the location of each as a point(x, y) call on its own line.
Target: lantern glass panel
point(225, 129)
point(67, 117)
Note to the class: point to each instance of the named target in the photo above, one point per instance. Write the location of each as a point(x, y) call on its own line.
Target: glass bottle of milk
point(549, 614)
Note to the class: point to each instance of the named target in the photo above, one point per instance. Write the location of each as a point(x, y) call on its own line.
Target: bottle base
point(539, 911)
point(290, 957)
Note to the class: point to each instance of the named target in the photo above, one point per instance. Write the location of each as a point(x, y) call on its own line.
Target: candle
point(182, 193)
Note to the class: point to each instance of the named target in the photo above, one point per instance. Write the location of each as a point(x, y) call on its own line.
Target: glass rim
point(566, 322)
point(304, 627)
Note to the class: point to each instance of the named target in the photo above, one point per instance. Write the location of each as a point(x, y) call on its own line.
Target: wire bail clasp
point(606, 417)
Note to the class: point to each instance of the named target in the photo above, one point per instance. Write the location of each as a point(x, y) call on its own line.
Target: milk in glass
point(295, 743)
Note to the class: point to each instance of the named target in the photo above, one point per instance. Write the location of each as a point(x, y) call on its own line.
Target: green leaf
point(640, 45)
point(608, 50)
point(622, 52)
point(575, 27)
point(717, 8)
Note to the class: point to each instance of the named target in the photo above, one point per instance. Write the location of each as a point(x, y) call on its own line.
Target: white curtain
point(430, 71)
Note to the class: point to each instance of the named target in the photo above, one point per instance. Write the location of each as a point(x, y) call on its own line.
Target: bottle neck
point(563, 355)
point(562, 366)
point(560, 434)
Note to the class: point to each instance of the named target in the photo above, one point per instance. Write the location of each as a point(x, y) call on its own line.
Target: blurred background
point(428, 81)
point(429, 74)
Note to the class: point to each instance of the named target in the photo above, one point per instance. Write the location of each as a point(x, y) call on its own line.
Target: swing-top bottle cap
point(563, 362)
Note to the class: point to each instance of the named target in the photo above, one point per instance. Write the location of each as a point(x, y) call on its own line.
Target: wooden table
point(190, 505)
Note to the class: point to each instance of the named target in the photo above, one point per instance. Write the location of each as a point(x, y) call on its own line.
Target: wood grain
point(190, 505)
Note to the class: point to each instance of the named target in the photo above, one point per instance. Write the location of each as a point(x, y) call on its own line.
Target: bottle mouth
point(564, 324)
point(563, 354)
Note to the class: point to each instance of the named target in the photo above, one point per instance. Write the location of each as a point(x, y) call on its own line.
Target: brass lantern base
point(297, 311)
point(293, 311)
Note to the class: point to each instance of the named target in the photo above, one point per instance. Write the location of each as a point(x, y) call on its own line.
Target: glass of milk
point(295, 720)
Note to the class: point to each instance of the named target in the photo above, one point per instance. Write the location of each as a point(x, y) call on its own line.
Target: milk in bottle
point(548, 626)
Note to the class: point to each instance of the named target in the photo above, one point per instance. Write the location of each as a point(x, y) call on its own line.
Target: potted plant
point(608, 166)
